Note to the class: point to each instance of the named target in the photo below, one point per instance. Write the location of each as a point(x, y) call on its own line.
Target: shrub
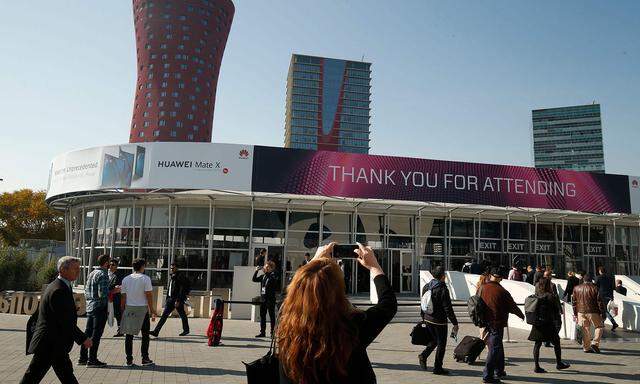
point(18, 273)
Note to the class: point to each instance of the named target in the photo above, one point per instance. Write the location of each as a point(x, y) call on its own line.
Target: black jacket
point(115, 280)
point(572, 282)
point(441, 301)
point(621, 290)
point(178, 287)
point(537, 276)
point(268, 285)
point(606, 284)
point(56, 329)
point(475, 268)
point(368, 325)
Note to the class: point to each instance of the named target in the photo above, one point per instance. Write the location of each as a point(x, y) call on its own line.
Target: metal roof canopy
point(327, 203)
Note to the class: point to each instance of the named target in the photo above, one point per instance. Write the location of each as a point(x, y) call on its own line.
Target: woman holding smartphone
point(322, 338)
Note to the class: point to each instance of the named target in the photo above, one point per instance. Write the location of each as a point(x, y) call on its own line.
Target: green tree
point(25, 215)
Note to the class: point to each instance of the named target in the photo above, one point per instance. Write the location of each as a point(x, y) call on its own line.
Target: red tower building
point(179, 45)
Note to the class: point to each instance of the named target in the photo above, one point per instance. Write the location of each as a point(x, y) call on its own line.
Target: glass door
point(406, 263)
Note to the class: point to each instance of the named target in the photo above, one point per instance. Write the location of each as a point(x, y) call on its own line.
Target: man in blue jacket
point(436, 316)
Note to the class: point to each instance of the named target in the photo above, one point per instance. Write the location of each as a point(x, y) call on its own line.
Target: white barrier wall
point(243, 290)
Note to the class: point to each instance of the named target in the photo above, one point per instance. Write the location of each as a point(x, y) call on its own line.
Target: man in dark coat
point(56, 329)
point(177, 292)
point(436, 317)
point(115, 280)
point(606, 286)
point(268, 288)
point(572, 282)
point(539, 273)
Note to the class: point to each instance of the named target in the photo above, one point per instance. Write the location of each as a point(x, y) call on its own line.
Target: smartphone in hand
point(345, 251)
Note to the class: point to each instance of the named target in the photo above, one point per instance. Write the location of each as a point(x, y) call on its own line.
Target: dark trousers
point(144, 349)
point(117, 311)
point(556, 347)
point(495, 355)
point(267, 306)
point(438, 339)
point(611, 319)
point(40, 364)
point(96, 321)
point(169, 306)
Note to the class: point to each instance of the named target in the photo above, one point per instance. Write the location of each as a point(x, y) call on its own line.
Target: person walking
point(572, 282)
point(499, 303)
point(436, 319)
point(331, 345)
point(177, 292)
point(620, 289)
point(588, 308)
point(606, 286)
point(115, 280)
point(268, 287)
point(96, 293)
point(530, 274)
point(537, 275)
point(548, 323)
point(56, 328)
point(515, 274)
point(137, 308)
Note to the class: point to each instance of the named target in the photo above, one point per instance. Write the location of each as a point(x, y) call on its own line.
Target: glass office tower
point(568, 138)
point(328, 104)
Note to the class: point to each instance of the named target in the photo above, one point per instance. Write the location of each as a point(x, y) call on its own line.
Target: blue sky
point(452, 80)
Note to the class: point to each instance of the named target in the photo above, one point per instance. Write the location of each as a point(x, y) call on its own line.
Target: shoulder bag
point(266, 369)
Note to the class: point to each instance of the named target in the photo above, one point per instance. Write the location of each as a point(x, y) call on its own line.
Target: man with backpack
point(498, 304)
point(435, 309)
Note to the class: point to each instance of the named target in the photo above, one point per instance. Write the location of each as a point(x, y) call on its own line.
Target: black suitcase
point(468, 350)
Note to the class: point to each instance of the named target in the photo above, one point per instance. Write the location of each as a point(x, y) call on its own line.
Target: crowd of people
point(320, 336)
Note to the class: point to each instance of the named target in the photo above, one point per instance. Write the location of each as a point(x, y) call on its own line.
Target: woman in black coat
point(548, 323)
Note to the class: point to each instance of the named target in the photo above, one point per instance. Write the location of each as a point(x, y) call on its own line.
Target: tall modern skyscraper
point(328, 104)
point(568, 138)
point(179, 44)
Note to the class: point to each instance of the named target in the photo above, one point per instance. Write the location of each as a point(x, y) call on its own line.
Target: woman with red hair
point(322, 338)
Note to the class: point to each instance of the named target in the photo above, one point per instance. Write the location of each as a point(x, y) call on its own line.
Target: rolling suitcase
point(214, 332)
point(468, 349)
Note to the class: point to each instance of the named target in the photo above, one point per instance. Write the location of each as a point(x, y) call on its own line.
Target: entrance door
point(406, 264)
point(400, 270)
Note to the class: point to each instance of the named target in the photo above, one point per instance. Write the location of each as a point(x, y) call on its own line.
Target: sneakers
point(82, 361)
point(589, 351)
point(96, 364)
point(562, 365)
point(130, 362)
point(440, 371)
point(595, 348)
point(261, 334)
point(492, 381)
point(422, 361)
point(147, 361)
point(184, 333)
point(154, 333)
point(539, 370)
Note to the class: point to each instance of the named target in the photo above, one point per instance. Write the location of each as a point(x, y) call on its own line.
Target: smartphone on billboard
point(138, 169)
point(345, 251)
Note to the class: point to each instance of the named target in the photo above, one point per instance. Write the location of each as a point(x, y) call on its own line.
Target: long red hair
point(315, 333)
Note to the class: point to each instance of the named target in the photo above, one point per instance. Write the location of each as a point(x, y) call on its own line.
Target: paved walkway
point(189, 360)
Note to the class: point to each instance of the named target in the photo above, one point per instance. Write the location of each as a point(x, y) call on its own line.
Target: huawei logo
point(225, 170)
point(635, 183)
point(244, 154)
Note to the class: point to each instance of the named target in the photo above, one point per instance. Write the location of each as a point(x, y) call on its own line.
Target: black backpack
point(477, 311)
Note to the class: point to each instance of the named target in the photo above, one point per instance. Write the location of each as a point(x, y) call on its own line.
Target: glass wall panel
point(125, 255)
point(400, 242)
point(489, 229)
point(571, 232)
point(192, 237)
point(461, 247)
point(198, 279)
point(155, 237)
point(401, 225)
point(544, 232)
point(229, 258)
point(232, 218)
point(221, 279)
point(430, 226)
point(156, 257)
point(337, 222)
point(268, 237)
point(517, 230)
point(340, 238)
point(303, 221)
point(156, 216)
point(263, 219)
point(303, 241)
point(597, 234)
point(195, 217)
point(370, 224)
point(191, 258)
point(372, 240)
point(462, 228)
point(158, 277)
point(431, 245)
point(231, 238)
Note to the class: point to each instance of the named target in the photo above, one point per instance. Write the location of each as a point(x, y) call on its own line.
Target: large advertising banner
point(396, 178)
point(634, 191)
point(153, 166)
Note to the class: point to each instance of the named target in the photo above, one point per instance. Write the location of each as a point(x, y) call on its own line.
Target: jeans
point(611, 319)
point(169, 306)
point(96, 321)
point(495, 355)
point(269, 306)
point(128, 341)
point(438, 339)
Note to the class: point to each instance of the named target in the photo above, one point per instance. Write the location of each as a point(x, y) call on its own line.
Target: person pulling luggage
point(437, 310)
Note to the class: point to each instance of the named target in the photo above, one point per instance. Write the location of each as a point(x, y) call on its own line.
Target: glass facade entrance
point(208, 240)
